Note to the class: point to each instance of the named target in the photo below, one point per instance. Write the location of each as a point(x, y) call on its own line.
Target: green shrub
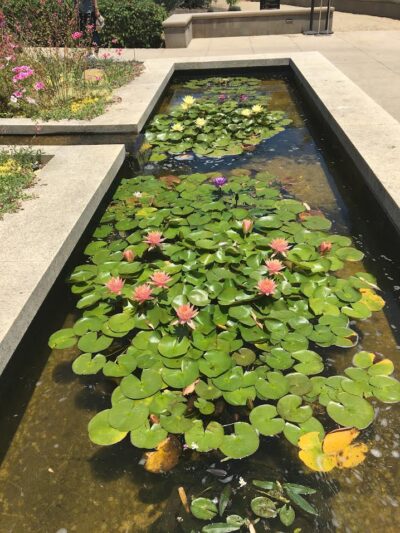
point(132, 23)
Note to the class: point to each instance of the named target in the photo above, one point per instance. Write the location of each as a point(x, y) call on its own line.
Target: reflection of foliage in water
point(216, 126)
point(255, 274)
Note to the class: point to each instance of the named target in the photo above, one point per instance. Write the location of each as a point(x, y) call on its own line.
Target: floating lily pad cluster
point(215, 126)
point(236, 85)
point(267, 500)
point(207, 301)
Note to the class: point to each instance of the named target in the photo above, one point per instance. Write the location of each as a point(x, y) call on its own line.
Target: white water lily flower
point(200, 122)
point(189, 100)
point(242, 482)
point(257, 108)
point(246, 112)
point(177, 127)
point(137, 194)
point(194, 446)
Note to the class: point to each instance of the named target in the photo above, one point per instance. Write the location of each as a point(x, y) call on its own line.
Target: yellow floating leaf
point(310, 441)
point(336, 441)
point(371, 300)
point(318, 461)
point(352, 456)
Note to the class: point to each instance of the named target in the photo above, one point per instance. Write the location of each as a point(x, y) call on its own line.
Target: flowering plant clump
point(17, 174)
point(216, 125)
point(214, 333)
point(54, 82)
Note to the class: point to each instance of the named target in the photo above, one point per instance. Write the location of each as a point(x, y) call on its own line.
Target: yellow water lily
point(185, 107)
point(177, 127)
point(189, 100)
point(257, 108)
point(246, 112)
point(200, 122)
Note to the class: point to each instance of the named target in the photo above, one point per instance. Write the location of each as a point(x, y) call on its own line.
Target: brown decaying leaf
point(190, 388)
point(184, 500)
point(311, 213)
point(166, 456)
point(170, 181)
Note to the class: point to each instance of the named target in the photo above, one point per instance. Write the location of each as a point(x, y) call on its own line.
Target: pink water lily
point(160, 279)
point(247, 225)
point(274, 266)
point(325, 247)
point(115, 285)
point(154, 239)
point(77, 35)
point(142, 293)
point(186, 313)
point(128, 255)
point(266, 286)
point(279, 245)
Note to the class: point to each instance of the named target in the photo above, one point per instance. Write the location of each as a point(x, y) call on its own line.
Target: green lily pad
point(242, 443)
point(136, 388)
point(385, 388)
point(85, 365)
point(204, 440)
point(240, 396)
point(92, 343)
point(101, 432)
point(198, 297)
point(310, 362)
point(63, 338)
point(125, 417)
point(293, 432)
point(264, 507)
point(173, 347)
point(175, 422)
point(207, 391)
point(351, 411)
point(122, 322)
point(203, 509)
point(244, 357)
point(263, 418)
point(273, 387)
point(147, 436)
point(181, 377)
point(291, 409)
point(349, 254)
point(279, 359)
point(214, 363)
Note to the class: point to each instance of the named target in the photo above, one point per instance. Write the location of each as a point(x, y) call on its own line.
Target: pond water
point(53, 479)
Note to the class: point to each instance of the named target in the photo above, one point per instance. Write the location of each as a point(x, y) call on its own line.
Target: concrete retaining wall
point(378, 8)
point(180, 29)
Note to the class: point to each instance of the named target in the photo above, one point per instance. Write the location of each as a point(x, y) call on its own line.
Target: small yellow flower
point(257, 108)
point(9, 166)
point(200, 122)
point(189, 100)
point(185, 107)
point(177, 127)
point(246, 112)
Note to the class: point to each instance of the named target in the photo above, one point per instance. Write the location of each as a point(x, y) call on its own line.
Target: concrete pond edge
point(38, 240)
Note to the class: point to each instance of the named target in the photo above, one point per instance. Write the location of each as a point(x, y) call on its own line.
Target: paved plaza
point(365, 48)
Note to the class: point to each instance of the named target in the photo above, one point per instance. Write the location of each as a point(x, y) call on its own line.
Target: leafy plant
point(17, 173)
point(217, 288)
point(267, 500)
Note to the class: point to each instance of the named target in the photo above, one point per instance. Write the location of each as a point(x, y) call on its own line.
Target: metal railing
point(326, 30)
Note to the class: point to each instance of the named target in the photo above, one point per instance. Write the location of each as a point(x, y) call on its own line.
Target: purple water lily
point(243, 97)
point(222, 98)
point(219, 181)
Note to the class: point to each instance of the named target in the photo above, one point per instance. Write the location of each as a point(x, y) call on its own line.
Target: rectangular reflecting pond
point(53, 479)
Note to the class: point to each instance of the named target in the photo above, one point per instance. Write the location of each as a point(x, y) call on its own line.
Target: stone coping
point(183, 19)
point(37, 241)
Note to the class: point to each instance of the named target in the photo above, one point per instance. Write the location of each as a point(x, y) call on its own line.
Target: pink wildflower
point(274, 266)
point(186, 313)
point(128, 256)
point(115, 285)
point(76, 35)
point(18, 94)
point(325, 247)
point(154, 239)
point(279, 245)
point(39, 86)
point(266, 286)
point(160, 279)
point(247, 225)
point(142, 293)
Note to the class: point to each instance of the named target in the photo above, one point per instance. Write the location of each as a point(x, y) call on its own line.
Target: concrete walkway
point(366, 49)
